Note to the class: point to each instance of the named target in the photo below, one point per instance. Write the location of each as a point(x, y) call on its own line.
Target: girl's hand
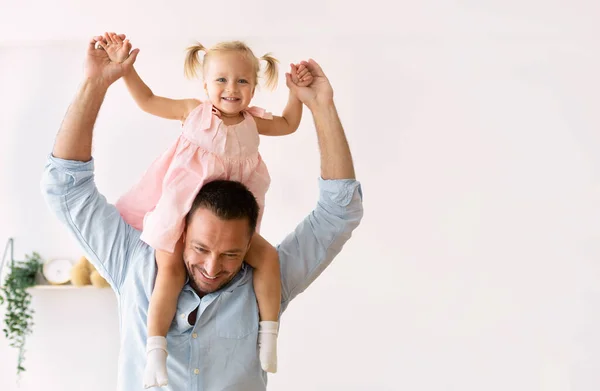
point(301, 76)
point(117, 49)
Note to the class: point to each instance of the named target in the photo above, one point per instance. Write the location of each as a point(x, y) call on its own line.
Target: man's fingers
point(102, 44)
point(314, 68)
point(92, 43)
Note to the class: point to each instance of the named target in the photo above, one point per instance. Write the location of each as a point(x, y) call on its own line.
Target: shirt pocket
point(237, 313)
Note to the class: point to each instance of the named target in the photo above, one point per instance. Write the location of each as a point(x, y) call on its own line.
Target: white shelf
point(63, 287)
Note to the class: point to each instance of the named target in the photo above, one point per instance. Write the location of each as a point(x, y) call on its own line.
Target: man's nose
point(212, 266)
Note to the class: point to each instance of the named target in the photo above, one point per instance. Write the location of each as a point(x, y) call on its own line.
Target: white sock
point(267, 345)
point(155, 373)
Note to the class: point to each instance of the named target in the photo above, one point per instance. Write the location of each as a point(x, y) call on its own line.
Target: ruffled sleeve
point(259, 112)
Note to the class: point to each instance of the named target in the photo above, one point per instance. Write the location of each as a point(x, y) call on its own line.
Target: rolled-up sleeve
point(315, 242)
point(71, 194)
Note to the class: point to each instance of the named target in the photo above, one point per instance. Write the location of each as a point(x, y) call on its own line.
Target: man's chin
point(203, 288)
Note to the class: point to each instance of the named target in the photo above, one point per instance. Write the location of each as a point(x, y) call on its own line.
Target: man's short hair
point(228, 200)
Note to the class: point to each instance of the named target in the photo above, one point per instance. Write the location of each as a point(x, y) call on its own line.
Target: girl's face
point(229, 81)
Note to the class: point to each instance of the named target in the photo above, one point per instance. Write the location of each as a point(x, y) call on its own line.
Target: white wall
point(474, 128)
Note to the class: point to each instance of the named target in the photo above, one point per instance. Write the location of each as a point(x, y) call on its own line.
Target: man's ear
point(250, 242)
point(183, 233)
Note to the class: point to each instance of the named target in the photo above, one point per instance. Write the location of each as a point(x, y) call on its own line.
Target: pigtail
point(271, 71)
point(192, 62)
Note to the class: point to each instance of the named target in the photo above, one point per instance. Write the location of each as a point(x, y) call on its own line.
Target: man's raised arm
point(74, 139)
point(68, 180)
point(306, 252)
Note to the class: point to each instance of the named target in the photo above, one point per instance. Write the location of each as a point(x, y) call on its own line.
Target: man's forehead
point(220, 246)
point(208, 230)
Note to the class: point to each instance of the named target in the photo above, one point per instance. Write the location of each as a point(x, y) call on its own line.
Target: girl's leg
point(263, 257)
point(170, 279)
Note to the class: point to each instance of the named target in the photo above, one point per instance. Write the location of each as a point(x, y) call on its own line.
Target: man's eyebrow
point(234, 250)
point(231, 251)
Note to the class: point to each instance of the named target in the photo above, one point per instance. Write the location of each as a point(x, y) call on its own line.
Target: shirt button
point(194, 335)
point(196, 371)
point(182, 316)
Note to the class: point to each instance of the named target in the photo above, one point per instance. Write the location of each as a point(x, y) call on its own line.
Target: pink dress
point(206, 150)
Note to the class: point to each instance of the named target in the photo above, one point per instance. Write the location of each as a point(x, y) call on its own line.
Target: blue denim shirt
point(219, 351)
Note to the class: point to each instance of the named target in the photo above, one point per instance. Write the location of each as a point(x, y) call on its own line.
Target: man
point(213, 339)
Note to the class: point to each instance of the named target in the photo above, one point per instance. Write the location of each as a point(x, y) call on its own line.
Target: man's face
point(214, 250)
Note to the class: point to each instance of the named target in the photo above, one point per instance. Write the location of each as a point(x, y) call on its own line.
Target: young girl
point(220, 140)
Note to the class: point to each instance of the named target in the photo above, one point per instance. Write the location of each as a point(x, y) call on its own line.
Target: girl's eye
point(221, 79)
point(243, 81)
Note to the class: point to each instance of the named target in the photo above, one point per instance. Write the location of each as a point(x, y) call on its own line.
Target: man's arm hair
point(70, 191)
point(74, 138)
point(317, 240)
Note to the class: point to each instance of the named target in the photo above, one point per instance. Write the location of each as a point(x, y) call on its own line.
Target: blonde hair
point(193, 62)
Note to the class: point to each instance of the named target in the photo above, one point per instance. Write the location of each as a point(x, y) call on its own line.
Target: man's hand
point(98, 65)
point(318, 92)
